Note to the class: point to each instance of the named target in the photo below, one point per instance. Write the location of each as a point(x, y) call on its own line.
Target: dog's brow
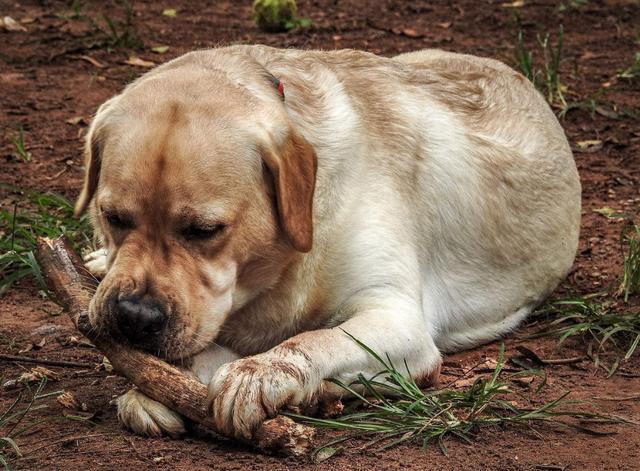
point(108, 208)
point(200, 216)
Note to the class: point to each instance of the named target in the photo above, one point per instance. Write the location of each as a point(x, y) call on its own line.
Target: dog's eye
point(119, 222)
point(196, 232)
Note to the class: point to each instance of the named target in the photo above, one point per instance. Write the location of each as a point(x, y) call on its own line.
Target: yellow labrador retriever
point(255, 205)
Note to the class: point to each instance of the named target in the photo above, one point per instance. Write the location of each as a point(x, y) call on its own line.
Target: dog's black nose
point(140, 321)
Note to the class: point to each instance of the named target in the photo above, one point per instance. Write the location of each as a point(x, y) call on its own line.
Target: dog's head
point(201, 190)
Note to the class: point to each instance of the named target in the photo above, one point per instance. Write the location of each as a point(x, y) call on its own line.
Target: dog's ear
point(293, 167)
point(94, 145)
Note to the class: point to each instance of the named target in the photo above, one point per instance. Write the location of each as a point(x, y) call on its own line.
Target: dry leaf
point(76, 120)
point(466, 382)
point(11, 25)
point(489, 364)
point(331, 409)
point(324, 453)
point(133, 60)
point(73, 340)
point(590, 145)
point(92, 61)
point(105, 365)
point(524, 381)
point(68, 400)
point(10, 384)
point(589, 55)
point(412, 33)
point(26, 349)
point(37, 374)
point(607, 113)
point(171, 12)
point(516, 4)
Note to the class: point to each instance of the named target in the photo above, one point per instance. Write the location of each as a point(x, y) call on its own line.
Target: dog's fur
point(423, 203)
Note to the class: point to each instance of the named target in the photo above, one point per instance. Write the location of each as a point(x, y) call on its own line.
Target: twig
point(633, 397)
point(563, 361)
point(44, 361)
point(67, 278)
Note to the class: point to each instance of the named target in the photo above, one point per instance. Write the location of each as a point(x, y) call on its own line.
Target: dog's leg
point(96, 263)
point(145, 416)
point(247, 391)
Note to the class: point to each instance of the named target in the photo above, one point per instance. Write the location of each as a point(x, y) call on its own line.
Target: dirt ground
point(60, 69)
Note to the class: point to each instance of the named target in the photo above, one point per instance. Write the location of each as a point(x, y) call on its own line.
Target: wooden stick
point(72, 285)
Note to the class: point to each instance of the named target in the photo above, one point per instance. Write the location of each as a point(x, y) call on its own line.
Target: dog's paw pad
point(147, 417)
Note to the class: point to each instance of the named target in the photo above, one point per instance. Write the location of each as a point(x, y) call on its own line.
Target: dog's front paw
point(247, 391)
point(147, 417)
point(96, 263)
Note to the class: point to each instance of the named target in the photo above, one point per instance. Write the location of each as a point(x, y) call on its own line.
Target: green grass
point(122, 33)
point(546, 76)
point(111, 32)
point(11, 422)
point(604, 330)
point(631, 269)
point(20, 148)
point(397, 411)
point(633, 70)
point(572, 5)
point(34, 215)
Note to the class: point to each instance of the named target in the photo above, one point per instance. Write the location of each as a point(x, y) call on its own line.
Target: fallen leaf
point(76, 120)
point(589, 55)
point(524, 380)
point(590, 145)
point(160, 49)
point(73, 340)
point(26, 349)
point(489, 364)
point(11, 25)
point(607, 113)
point(133, 60)
point(170, 12)
point(37, 374)
point(516, 4)
point(92, 61)
point(105, 365)
point(331, 409)
point(10, 384)
point(68, 400)
point(325, 453)
point(530, 355)
point(412, 33)
point(466, 382)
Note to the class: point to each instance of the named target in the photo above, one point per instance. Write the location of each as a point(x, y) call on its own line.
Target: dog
point(260, 208)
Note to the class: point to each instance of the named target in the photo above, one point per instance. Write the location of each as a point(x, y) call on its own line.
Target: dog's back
point(508, 200)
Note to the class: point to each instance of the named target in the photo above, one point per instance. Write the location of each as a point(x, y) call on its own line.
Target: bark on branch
point(73, 287)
